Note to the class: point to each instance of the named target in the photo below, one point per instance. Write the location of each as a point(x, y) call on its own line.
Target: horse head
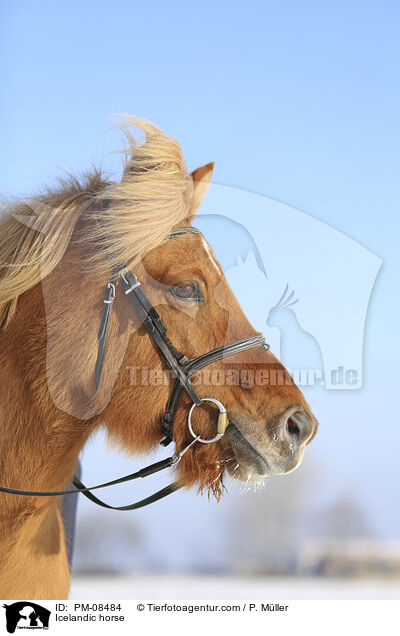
point(101, 227)
point(270, 422)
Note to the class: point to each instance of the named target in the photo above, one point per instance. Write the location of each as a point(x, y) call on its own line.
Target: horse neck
point(36, 453)
point(41, 431)
point(39, 447)
point(39, 444)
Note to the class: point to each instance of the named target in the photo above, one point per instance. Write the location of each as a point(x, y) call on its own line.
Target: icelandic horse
point(58, 253)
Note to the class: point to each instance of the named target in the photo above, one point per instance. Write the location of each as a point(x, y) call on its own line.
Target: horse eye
point(187, 291)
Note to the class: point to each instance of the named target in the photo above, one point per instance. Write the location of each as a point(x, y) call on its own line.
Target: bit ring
point(221, 424)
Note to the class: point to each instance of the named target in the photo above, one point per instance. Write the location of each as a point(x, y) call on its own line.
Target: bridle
point(181, 366)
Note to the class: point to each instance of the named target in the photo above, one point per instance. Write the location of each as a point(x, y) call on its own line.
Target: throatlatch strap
point(102, 334)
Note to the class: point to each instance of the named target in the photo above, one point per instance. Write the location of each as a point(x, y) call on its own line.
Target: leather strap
point(150, 313)
point(160, 494)
point(143, 472)
point(156, 328)
point(199, 363)
point(102, 335)
point(180, 365)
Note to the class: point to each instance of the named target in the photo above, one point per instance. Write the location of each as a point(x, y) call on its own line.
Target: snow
point(186, 587)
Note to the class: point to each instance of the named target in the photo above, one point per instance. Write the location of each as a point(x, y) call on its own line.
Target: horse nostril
point(296, 426)
point(292, 427)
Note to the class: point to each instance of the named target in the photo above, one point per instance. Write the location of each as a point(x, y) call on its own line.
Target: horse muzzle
point(262, 450)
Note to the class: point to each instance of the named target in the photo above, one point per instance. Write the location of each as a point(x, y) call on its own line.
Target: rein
point(183, 369)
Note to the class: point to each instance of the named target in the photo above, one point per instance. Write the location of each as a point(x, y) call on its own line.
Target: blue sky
point(297, 101)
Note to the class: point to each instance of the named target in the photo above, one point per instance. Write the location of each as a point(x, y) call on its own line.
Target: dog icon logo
point(26, 615)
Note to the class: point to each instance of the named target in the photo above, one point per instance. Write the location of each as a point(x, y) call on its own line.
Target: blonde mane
point(118, 222)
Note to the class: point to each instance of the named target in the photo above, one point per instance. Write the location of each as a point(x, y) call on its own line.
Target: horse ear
point(201, 182)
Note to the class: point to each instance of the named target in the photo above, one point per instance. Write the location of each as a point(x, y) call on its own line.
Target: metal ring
point(218, 436)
